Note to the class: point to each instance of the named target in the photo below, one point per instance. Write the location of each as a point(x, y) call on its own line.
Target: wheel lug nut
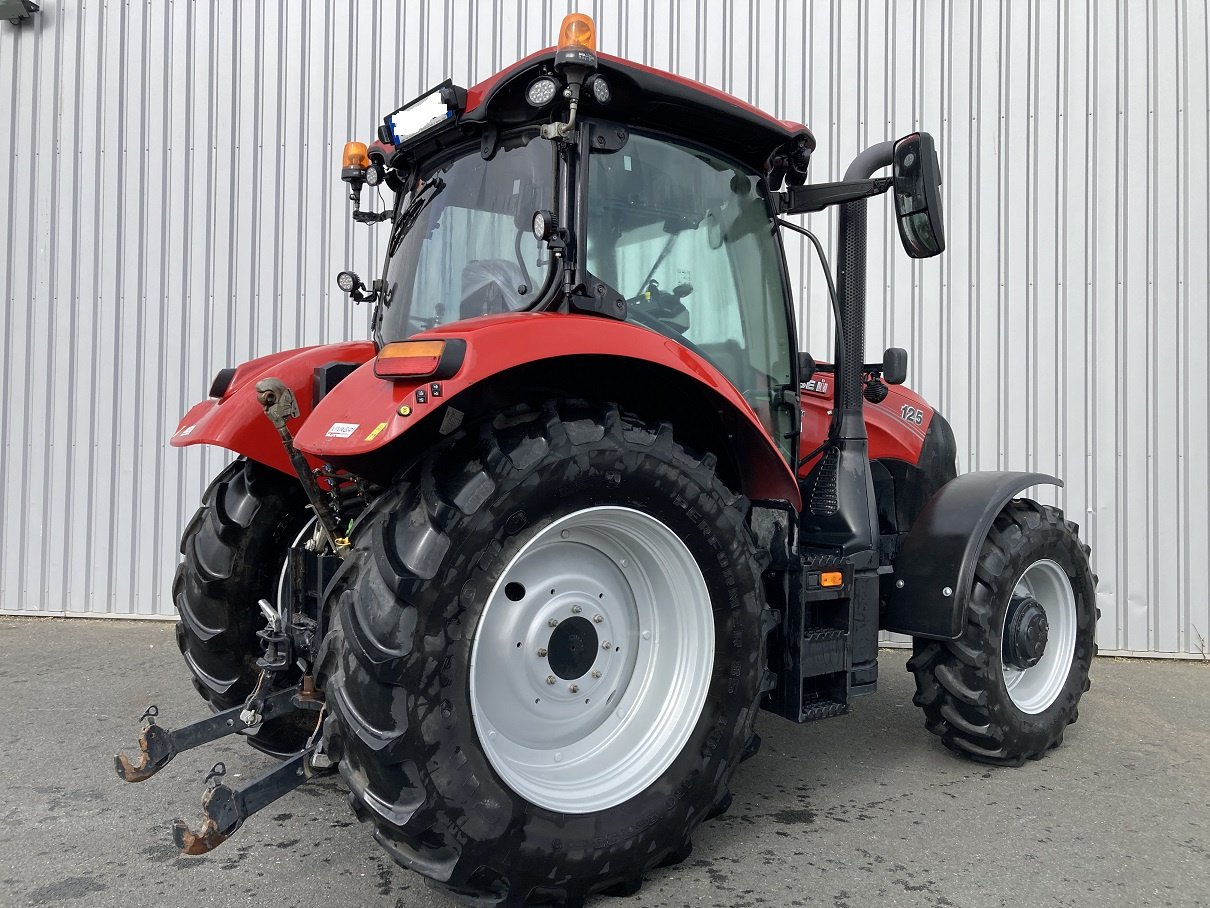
point(553, 622)
point(575, 609)
point(606, 645)
point(550, 679)
point(541, 651)
point(598, 618)
point(575, 688)
point(595, 673)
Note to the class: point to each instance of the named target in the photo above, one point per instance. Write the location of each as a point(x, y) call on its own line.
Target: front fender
point(941, 550)
point(366, 414)
point(237, 422)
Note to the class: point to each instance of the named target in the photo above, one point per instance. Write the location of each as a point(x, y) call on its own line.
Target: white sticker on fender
point(185, 431)
point(342, 429)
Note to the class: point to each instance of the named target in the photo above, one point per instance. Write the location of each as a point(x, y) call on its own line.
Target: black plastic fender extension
point(926, 596)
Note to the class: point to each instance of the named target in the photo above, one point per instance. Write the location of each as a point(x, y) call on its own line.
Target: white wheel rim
point(602, 575)
point(1034, 689)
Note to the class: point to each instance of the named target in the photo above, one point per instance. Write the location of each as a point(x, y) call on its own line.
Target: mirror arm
point(872, 159)
point(818, 196)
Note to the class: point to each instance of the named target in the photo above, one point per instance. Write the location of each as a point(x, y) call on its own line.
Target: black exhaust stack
point(840, 517)
point(839, 509)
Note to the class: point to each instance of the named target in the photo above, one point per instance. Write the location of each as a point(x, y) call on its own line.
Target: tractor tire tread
point(375, 660)
point(248, 516)
point(958, 682)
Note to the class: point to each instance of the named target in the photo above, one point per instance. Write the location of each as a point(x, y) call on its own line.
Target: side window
point(686, 237)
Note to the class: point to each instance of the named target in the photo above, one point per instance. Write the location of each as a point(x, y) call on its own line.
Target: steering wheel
point(663, 308)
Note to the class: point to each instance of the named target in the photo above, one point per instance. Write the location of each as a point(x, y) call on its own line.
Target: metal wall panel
point(168, 184)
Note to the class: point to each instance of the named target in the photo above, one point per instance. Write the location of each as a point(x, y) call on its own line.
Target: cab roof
point(648, 99)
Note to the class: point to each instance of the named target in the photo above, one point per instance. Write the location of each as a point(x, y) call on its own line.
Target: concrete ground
point(864, 810)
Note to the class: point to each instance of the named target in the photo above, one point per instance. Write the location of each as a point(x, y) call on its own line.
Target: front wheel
point(548, 654)
point(234, 554)
point(1009, 686)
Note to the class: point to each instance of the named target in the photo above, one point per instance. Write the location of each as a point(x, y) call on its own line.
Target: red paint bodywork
point(237, 422)
point(890, 434)
point(497, 343)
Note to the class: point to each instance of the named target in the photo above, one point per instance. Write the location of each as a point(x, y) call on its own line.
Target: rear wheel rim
point(592, 659)
point(1033, 690)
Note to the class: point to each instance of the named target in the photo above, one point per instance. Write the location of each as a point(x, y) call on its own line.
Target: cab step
point(831, 614)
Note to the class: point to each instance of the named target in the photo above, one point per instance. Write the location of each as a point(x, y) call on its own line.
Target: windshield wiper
point(427, 191)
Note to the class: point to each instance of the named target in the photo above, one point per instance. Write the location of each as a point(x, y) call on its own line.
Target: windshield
point(687, 236)
point(462, 244)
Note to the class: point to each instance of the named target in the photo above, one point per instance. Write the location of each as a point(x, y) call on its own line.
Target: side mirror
point(894, 365)
point(806, 367)
point(918, 196)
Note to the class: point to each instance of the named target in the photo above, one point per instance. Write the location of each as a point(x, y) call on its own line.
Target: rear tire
point(443, 593)
point(234, 551)
point(974, 697)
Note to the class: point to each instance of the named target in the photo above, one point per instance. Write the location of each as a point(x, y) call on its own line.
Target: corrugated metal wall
point(168, 184)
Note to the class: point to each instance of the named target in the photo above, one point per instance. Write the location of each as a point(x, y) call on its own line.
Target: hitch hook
point(155, 751)
point(224, 809)
point(158, 745)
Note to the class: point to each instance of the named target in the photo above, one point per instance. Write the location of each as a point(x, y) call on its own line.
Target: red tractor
point(525, 567)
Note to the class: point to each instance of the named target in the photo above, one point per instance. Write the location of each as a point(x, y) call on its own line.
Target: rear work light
point(435, 359)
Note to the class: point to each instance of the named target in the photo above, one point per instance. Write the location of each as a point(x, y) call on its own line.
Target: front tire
point(1008, 687)
point(234, 552)
point(509, 558)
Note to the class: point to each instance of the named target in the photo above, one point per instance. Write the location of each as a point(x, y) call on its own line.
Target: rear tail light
point(436, 359)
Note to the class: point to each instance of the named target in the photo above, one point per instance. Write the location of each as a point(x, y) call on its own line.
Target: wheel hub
point(1025, 633)
point(573, 648)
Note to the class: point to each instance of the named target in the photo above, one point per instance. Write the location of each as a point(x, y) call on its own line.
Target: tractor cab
point(680, 235)
point(578, 182)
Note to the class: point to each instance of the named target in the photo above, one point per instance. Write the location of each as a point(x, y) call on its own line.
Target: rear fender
point(236, 420)
point(366, 415)
point(940, 552)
